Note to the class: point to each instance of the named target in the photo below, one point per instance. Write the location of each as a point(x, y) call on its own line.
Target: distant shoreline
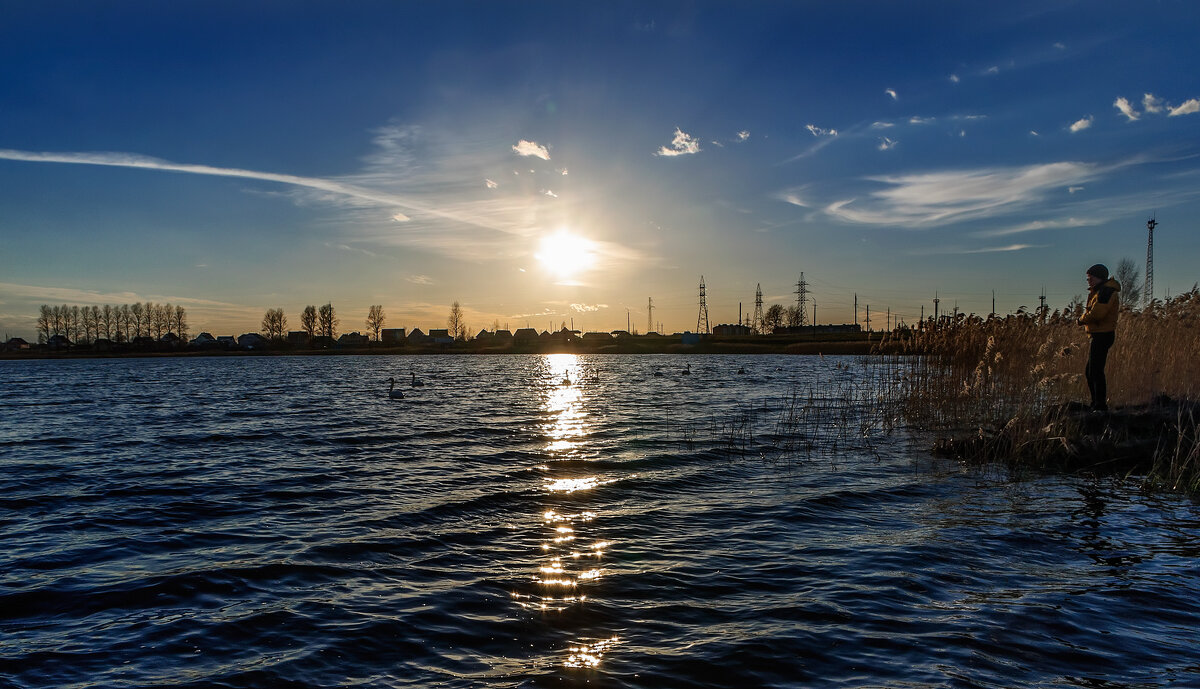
point(843, 346)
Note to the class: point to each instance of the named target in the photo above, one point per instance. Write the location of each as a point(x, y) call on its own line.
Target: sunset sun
point(564, 254)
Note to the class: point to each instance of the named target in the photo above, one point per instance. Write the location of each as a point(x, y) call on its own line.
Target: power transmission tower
point(1150, 225)
point(802, 300)
point(649, 315)
point(757, 326)
point(702, 317)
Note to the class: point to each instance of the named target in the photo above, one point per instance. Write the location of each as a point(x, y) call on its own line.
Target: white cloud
point(549, 193)
point(1152, 103)
point(794, 198)
point(743, 135)
point(892, 93)
point(886, 144)
point(1187, 108)
point(1126, 109)
point(954, 79)
point(563, 172)
point(818, 131)
point(419, 279)
point(958, 195)
point(1033, 132)
point(681, 144)
point(1060, 46)
point(1081, 124)
point(917, 119)
point(988, 250)
point(882, 125)
point(992, 70)
point(490, 184)
point(587, 308)
point(1037, 225)
point(334, 187)
point(1072, 190)
point(531, 148)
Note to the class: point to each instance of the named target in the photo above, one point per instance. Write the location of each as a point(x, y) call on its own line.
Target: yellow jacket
point(1100, 314)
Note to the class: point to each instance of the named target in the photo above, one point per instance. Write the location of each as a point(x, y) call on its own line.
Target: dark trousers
point(1094, 371)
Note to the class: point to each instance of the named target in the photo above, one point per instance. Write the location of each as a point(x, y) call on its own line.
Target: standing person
point(1100, 320)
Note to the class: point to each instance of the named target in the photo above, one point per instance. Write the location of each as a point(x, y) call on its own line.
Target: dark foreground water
point(280, 522)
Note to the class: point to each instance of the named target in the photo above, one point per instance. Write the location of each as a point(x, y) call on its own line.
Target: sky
point(545, 163)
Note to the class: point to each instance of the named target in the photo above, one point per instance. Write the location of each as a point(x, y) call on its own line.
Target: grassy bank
point(1009, 390)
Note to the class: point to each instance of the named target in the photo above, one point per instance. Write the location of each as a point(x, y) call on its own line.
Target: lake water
point(280, 522)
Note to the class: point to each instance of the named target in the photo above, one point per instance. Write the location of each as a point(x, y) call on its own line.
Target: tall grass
point(1008, 377)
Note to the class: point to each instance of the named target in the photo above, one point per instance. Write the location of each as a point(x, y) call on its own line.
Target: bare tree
point(327, 321)
point(122, 319)
point(793, 315)
point(138, 311)
point(1127, 275)
point(179, 322)
point(308, 320)
point(375, 319)
point(44, 323)
point(90, 324)
point(455, 324)
point(274, 324)
point(773, 318)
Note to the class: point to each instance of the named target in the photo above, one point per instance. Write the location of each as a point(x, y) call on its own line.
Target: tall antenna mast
point(802, 300)
point(702, 317)
point(757, 324)
point(1150, 225)
point(649, 315)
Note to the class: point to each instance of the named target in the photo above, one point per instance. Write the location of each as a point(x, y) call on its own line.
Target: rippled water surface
point(546, 521)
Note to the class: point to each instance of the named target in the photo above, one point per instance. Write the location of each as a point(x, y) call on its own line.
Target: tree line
point(124, 323)
point(323, 322)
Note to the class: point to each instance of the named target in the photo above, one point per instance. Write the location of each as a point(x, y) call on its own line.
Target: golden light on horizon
point(564, 254)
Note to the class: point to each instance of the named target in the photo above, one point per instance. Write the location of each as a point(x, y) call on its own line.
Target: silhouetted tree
point(274, 324)
point(327, 321)
point(793, 315)
point(375, 319)
point(179, 323)
point(455, 324)
point(773, 318)
point(1127, 275)
point(308, 320)
point(138, 312)
point(44, 321)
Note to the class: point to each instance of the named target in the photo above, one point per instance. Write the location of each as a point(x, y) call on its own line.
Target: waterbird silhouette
point(392, 391)
point(658, 373)
point(741, 370)
point(687, 371)
point(415, 382)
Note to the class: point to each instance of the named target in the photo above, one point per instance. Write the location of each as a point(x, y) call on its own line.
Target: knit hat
point(1099, 271)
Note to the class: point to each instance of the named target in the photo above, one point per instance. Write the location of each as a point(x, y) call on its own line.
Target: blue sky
point(233, 157)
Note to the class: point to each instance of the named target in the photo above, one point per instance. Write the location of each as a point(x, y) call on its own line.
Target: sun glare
point(565, 255)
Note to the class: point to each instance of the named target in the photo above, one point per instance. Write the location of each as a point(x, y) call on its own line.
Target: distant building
point(58, 342)
point(484, 335)
point(203, 341)
point(504, 335)
point(227, 341)
point(16, 344)
point(597, 337)
point(252, 341)
point(525, 335)
point(393, 336)
point(441, 336)
point(353, 339)
point(298, 338)
point(416, 337)
point(727, 330)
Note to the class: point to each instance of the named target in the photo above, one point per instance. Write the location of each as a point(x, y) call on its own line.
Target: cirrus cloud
point(681, 144)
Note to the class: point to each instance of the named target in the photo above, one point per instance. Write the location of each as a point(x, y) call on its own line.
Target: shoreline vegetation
point(1007, 391)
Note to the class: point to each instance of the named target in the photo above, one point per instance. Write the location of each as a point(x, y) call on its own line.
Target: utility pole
point(868, 318)
point(627, 325)
point(1042, 306)
point(649, 315)
point(936, 301)
point(1149, 289)
point(889, 319)
point(702, 325)
point(814, 323)
point(802, 299)
point(856, 308)
point(993, 302)
point(757, 326)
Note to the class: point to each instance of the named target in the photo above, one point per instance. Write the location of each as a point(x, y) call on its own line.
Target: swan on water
point(658, 372)
point(416, 383)
point(687, 371)
point(741, 370)
point(392, 391)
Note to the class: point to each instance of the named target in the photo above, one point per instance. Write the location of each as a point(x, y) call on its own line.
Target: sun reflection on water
point(589, 655)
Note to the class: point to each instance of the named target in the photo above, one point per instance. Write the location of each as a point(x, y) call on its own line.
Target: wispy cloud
point(129, 160)
point(1081, 124)
point(917, 119)
point(1152, 103)
point(818, 131)
point(892, 93)
point(587, 308)
point(886, 144)
point(531, 148)
point(1072, 190)
point(490, 184)
point(954, 79)
point(958, 195)
point(681, 144)
point(419, 279)
point(1126, 109)
point(882, 125)
point(1037, 225)
point(743, 135)
point(1187, 108)
point(960, 251)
